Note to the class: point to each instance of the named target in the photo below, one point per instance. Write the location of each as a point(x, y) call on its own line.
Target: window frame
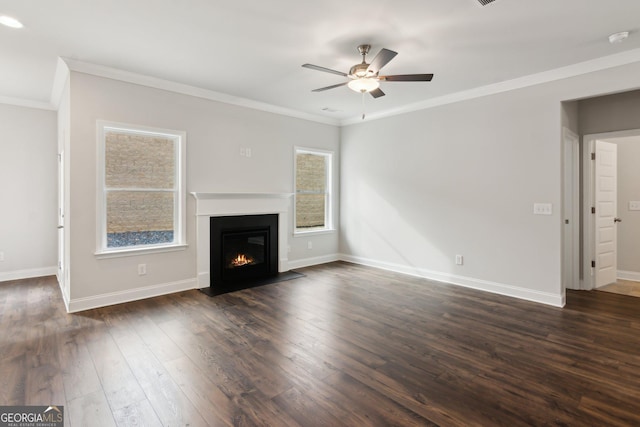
point(179, 204)
point(328, 205)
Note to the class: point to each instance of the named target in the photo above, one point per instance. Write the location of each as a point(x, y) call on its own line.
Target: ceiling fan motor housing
point(360, 71)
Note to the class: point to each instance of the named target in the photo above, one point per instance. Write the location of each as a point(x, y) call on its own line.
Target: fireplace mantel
point(205, 196)
point(227, 204)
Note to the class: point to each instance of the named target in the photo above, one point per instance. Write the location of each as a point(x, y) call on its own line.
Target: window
point(141, 188)
point(313, 190)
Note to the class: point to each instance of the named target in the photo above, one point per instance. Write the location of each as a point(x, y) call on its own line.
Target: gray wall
point(28, 188)
point(215, 134)
point(609, 113)
point(420, 188)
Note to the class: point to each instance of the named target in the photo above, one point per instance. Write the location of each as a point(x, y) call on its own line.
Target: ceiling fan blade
point(382, 58)
point(329, 87)
point(326, 70)
point(377, 93)
point(408, 78)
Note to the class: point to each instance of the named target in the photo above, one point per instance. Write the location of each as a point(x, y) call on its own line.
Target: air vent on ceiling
point(485, 2)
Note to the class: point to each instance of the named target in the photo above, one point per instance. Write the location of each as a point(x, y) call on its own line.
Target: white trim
point(329, 198)
point(28, 103)
point(27, 274)
point(308, 262)
point(602, 63)
point(634, 276)
point(154, 82)
point(63, 293)
point(571, 196)
point(597, 64)
point(312, 232)
point(227, 204)
point(139, 250)
point(556, 300)
point(179, 209)
point(111, 298)
point(210, 196)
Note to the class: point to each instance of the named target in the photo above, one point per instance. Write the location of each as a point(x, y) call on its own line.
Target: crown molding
point(157, 83)
point(29, 103)
point(65, 65)
point(580, 68)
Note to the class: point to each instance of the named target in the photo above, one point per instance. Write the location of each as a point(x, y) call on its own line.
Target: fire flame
point(240, 260)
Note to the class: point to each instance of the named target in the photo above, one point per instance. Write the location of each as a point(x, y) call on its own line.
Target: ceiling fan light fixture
point(364, 84)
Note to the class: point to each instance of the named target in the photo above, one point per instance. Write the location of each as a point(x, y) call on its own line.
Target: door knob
point(617, 220)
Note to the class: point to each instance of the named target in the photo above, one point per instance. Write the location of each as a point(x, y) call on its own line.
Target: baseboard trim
point(555, 300)
point(27, 274)
point(634, 276)
point(103, 300)
point(308, 262)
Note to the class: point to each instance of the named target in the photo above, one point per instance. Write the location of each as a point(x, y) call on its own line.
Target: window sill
point(117, 253)
point(298, 233)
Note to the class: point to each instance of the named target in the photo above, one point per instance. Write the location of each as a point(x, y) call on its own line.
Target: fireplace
point(244, 249)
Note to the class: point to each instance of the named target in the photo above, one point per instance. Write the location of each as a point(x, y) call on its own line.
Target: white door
point(606, 210)
point(61, 266)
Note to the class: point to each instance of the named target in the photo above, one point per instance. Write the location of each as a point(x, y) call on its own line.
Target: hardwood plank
point(90, 410)
point(168, 401)
point(138, 414)
point(212, 403)
point(117, 380)
point(345, 345)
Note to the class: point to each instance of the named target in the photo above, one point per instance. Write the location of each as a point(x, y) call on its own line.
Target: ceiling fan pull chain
point(363, 115)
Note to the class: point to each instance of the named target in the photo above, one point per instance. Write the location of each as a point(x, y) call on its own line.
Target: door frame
point(589, 223)
point(571, 210)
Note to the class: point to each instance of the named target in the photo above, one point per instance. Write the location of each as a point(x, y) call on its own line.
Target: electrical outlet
point(248, 151)
point(309, 244)
point(459, 260)
point(542, 209)
point(1, 256)
point(142, 269)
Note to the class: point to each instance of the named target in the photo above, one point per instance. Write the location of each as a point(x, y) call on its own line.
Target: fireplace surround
point(208, 205)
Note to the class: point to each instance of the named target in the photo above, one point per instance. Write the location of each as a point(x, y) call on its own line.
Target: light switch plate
point(634, 205)
point(542, 209)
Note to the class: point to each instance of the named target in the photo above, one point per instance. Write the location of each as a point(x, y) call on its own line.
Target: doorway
point(611, 208)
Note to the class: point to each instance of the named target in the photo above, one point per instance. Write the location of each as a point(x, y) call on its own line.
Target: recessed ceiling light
point(618, 37)
point(10, 22)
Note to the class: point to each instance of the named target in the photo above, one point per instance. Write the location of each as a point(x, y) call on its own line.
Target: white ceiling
point(254, 49)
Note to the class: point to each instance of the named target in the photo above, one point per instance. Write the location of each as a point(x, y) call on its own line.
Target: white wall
point(462, 178)
point(215, 133)
point(27, 192)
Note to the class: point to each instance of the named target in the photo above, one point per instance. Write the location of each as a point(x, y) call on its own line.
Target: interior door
point(61, 263)
point(606, 201)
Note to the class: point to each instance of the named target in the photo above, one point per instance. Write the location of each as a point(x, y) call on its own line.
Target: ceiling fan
point(364, 77)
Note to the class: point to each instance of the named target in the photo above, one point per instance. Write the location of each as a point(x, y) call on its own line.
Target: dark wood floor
point(344, 346)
